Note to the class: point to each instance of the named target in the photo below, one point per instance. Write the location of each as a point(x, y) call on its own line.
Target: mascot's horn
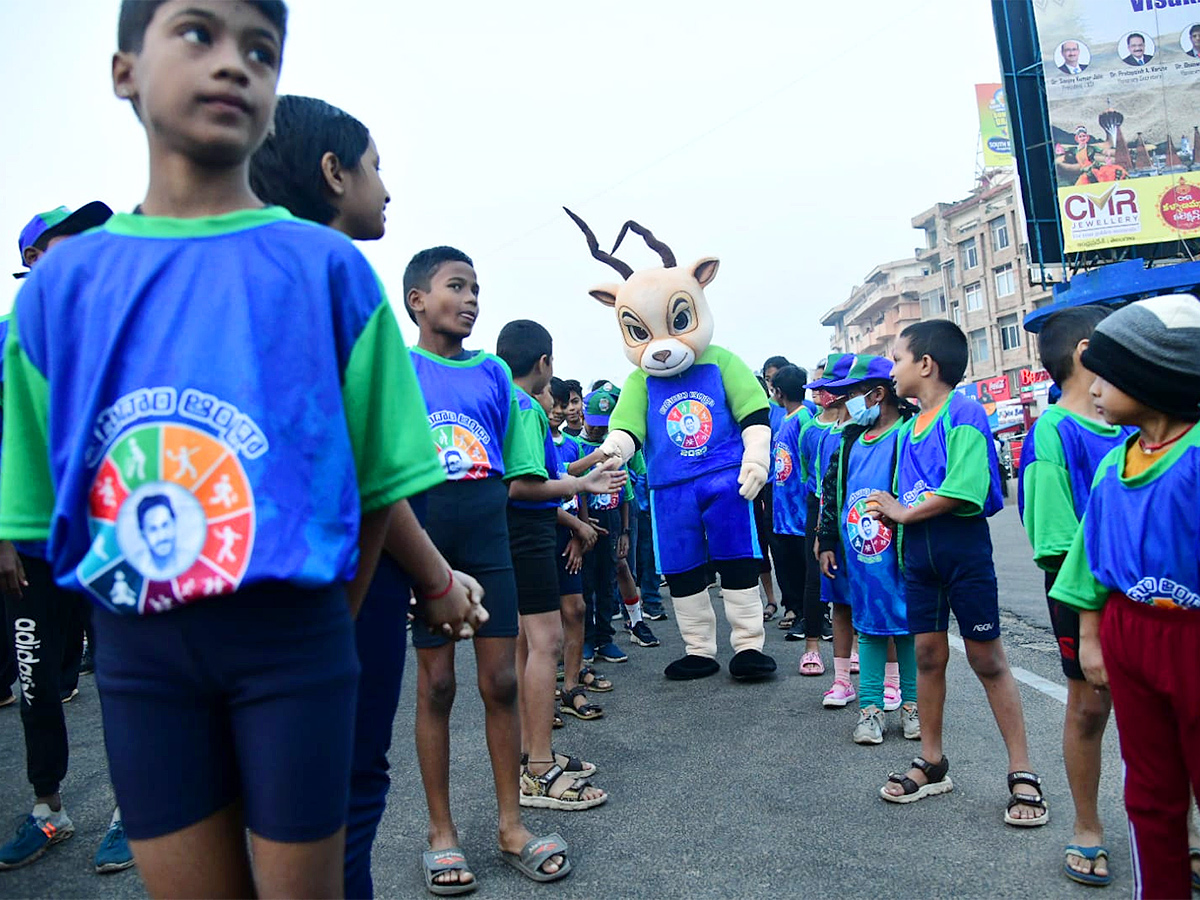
point(664, 252)
point(622, 267)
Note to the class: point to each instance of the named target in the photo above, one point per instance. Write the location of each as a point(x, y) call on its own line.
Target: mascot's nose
point(661, 355)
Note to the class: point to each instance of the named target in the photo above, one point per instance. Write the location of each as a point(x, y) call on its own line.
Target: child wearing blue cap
point(867, 549)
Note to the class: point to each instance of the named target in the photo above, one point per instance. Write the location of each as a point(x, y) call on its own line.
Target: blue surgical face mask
point(860, 412)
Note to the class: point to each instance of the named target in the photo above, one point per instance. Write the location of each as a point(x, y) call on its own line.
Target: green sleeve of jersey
point(968, 471)
point(522, 455)
point(632, 407)
point(385, 415)
point(637, 464)
point(26, 488)
point(627, 494)
point(1049, 504)
point(1075, 584)
point(742, 390)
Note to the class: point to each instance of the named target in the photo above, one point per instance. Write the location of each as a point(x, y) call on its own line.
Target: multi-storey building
point(972, 269)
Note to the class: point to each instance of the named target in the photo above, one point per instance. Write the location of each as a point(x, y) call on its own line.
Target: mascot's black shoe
point(692, 667)
point(751, 665)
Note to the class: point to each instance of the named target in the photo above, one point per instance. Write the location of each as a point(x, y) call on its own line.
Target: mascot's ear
point(705, 270)
point(606, 294)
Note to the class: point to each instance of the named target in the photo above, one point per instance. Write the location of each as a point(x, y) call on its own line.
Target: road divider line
point(1037, 682)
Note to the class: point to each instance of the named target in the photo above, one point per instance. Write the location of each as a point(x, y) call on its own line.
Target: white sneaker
point(891, 698)
point(911, 722)
point(869, 729)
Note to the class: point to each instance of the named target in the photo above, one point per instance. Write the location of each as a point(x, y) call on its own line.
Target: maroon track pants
point(1152, 656)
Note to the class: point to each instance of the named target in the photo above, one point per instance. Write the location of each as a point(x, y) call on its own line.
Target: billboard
point(1123, 92)
point(993, 125)
point(995, 394)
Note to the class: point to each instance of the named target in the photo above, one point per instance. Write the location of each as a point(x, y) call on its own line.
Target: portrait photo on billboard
point(1136, 48)
point(1189, 40)
point(1072, 57)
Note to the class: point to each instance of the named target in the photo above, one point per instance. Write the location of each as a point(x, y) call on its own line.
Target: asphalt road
point(717, 789)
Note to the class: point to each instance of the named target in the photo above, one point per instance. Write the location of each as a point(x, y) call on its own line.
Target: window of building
point(951, 271)
point(933, 304)
point(1010, 332)
point(970, 254)
point(979, 345)
point(974, 295)
point(1006, 282)
point(999, 229)
point(956, 312)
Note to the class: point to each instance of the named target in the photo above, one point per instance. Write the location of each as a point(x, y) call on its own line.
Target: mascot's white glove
point(756, 458)
point(620, 444)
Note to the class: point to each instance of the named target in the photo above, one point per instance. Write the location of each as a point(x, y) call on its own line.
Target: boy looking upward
point(1061, 454)
point(228, 688)
point(1133, 574)
point(948, 484)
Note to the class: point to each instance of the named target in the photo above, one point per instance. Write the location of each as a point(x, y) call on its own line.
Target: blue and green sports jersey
point(568, 451)
point(777, 414)
point(532, 419)
point(1059, 460)
point(1139, 536)
point(790, 498)
point(688, 423)
point(195, 405)
point(954, 456)
point(812, 440)
point(614, 499)
point(870, 548)
point(473, 409)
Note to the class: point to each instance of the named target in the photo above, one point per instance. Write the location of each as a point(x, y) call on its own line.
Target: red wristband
point(445, 591)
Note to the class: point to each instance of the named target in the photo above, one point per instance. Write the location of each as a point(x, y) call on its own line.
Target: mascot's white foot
point(697, 623)
point(744, 612)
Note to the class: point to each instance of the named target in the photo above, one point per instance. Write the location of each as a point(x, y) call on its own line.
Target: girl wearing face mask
point(866, 462)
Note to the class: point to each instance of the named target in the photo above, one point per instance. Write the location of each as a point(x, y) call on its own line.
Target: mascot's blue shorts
point(700, 520)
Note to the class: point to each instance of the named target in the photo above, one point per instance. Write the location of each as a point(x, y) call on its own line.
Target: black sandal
point(770, 611)
point(938, 782)
point(573, 766)
point(597, 682)
point(1036, 801)
point(586, 711)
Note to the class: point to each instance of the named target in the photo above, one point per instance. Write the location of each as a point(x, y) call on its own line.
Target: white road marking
point(1037, 682)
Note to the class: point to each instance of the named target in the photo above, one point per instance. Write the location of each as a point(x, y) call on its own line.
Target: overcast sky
point(794, 141)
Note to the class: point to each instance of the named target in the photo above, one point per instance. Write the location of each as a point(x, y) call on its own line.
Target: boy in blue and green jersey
point(212, 502)
point(1058, 462)
point(790, 500)
point(948, 484)
point(1133, 572)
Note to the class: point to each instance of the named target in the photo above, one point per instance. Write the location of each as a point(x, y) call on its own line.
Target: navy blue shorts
point(948, 568)
point(248, 696)
point(836, 589)
point(468, 522)
point(700, 520)
point(568, 584)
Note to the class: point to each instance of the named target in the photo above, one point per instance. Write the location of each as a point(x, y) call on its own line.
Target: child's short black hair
point(422, 267)
point(775, 362)
point(790, 381)
point(560, 390)
point(762, 383)
point(573, 387)
point(286, 169)
point(521, 344)
point(601, 382)
point(135, 16)
point(943, 342)
point(1061, 334)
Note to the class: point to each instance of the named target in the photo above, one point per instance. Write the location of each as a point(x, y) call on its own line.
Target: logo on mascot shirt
point(867, 536)
point(689, 424)
point(783, 464)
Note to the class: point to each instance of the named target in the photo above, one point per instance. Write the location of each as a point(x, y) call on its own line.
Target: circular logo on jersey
point(461, 453)
point(689, 424)
point(783, 464)
point(867, 536)
point(171, 515)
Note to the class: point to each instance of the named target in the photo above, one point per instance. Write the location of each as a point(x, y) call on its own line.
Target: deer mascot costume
point(701, 417)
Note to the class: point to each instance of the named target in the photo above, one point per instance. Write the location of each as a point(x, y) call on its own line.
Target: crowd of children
point(256, 540)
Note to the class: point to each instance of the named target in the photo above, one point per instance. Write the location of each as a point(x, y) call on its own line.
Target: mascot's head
point(664, 318)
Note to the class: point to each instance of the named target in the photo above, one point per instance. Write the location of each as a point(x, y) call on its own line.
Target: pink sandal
point(810, 664)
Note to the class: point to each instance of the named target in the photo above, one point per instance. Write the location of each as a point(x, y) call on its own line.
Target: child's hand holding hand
point(456, 611)
point(606, 478)
point(588, 533)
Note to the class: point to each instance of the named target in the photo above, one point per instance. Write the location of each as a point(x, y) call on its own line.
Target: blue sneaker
point(610, 652)
point(35, 836)
point(653, 613)
point(114, 853)
point(589, 655)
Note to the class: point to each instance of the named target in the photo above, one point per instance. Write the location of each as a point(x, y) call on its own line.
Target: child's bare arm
point(882, 505)
point(372, 528)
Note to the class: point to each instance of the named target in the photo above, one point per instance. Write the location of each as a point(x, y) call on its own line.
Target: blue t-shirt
point(194, 405)
point(1139, 535)
point(870, 557)
point(568, 451)
point(954, 456)
point(537, 427)
point(790, 502)
point(611, 500)
point(812, 440)
point(777, 414)
point(473, 408)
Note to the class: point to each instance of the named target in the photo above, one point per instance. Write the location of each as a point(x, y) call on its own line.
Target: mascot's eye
point(682, 320)
point(638, 333)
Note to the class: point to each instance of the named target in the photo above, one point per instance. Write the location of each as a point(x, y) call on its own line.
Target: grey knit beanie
point(1151, 351)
